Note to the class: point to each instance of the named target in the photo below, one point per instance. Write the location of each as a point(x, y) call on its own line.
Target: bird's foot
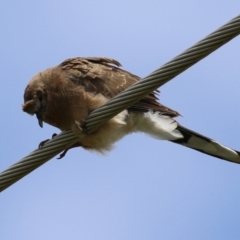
point(66, 150)
point(42, 143)
point(79, 129)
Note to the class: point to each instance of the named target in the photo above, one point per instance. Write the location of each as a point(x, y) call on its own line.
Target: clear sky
point(144, 188)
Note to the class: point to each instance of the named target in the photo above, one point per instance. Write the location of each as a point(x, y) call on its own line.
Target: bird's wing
point(100, 76)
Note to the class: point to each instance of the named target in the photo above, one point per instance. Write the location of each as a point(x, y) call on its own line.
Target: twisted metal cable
point(123, 101)
point(36, 159)
point(162, 75)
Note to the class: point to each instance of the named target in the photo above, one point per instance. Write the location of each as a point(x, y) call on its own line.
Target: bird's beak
point(39, 117)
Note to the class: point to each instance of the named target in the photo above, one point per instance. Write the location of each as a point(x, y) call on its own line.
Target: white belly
point(154, 124)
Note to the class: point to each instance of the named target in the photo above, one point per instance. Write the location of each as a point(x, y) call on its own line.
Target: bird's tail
point(206, 145)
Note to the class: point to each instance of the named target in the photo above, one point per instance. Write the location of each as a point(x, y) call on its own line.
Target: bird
point(63, 96)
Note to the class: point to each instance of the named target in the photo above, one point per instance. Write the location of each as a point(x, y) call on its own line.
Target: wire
point(122, 101)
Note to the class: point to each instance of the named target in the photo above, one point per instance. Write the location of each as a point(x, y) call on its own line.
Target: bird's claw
point(79, 129)
point(84, 127)
point(42, 143)
point(63, 154)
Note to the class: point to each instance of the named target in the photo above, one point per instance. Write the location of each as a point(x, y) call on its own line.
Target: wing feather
point(103, 76)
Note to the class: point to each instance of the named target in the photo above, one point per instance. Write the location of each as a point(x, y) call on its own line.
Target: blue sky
point(144, 188)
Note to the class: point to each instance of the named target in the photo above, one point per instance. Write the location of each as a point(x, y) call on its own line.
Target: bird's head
point(35, 98)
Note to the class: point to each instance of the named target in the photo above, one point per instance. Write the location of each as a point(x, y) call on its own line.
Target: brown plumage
point(63, 96)
point(75, 82)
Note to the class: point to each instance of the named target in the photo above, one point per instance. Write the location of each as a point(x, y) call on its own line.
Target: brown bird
point(63, 96)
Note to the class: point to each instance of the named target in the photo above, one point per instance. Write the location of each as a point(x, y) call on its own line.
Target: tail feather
point(206, 145)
